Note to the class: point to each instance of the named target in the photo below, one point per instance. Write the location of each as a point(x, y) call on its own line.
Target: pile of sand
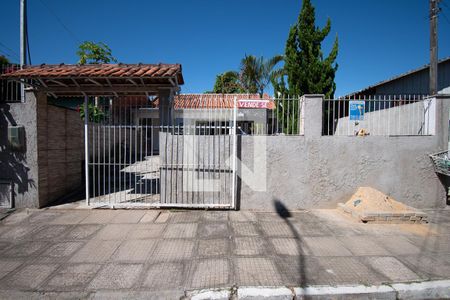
point(367, 199)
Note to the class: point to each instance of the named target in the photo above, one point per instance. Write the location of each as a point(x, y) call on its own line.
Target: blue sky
point(378, 39)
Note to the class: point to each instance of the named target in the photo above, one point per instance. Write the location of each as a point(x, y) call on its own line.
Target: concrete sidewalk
point(164, 254)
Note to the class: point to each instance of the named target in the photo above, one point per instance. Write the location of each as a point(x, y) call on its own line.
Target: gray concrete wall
point(315, 171)
point(20, 167)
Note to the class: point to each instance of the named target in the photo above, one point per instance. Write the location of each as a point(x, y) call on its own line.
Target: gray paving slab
point(29, 277)
point(82, 232)
point(146, 231)
point(347, 270)
point(249, 246)
point(45, 216)
point(244, 229)
point(72, 277)
point(393, 269)
point(25, 249)
point(398, 245)
point(149, 216)
point(278, 229)
point(185, 217)
point(114, 232)
point(362, 245)
point(173, 250)
point(51, 232)
point(116, 276)
point(214, 247)
point(70, 217)
point(167, 275)
point(100, 217)
point(62, 249)
point(288, 246)
point(211, 273)
point(128, 216)
point(183, 230)
point(16, 218)
point(134, 251)
point(14, 233)
point(256, 271)
point(325, 246)
point(162, 217)
point(95, 251)
point(311, 229)
point(242, 216)
point(299, 270)
point(215, 216)
point(427, 265)
point(213, 229)
point(6, 266)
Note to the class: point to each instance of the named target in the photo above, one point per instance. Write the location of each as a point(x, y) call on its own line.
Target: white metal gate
point(135, 161)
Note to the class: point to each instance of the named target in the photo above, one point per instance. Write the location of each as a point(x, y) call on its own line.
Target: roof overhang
point(100, 79)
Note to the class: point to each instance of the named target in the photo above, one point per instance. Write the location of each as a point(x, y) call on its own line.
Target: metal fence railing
point(10, 91)
point(409, 115)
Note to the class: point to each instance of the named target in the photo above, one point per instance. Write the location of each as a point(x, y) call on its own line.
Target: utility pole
point(23, 41)
point(434, 9)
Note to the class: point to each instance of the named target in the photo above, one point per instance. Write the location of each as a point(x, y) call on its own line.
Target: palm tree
point(256, 73)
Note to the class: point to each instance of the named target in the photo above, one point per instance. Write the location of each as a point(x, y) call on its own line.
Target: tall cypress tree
point(308, 72)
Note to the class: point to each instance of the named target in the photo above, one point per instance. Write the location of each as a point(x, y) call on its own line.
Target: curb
point(439, 289)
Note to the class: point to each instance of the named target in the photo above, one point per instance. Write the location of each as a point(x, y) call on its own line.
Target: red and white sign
point(261, 104)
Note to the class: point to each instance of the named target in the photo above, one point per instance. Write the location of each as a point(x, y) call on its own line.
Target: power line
point(11, 51)
point(72, 35)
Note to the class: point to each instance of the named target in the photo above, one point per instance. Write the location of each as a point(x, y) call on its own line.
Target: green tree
point(3, 60)
point(94, 53)
point(307, 71)
point(227, 83)
point(256, 73)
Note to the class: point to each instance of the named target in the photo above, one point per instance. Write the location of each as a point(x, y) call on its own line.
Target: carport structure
point(123, 164)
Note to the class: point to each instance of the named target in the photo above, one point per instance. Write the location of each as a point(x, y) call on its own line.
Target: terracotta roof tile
point(100, 70)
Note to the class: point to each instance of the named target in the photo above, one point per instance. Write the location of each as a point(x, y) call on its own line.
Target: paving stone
point(288, 246)
point(325, 246)
point(249, 246)
point(70, 217)
point(211, 273)
point(311, 229)
point(95, 251)
point(163, 217)
point(100, 217)
point(244, 229)
point(306, 217)
point(213, 247)
point(6, 266)
point(392, 269)
point(429, 266)
point(157, 295)
point(30, 276)
point(73, 276)
point(439, 243)
point(81, 232)
point(44, 216)
point(172, 250)
point(347, 270)
point(62, 249)
point(16, 218)
point(164, 276)
point(20, 232)
point(114, 232)
point(257, 271)
point(4, 245)
point(299, 270)
point(397, 245)
point(134, 250)
point(121, 276)
point(270, 217)
point(362, 245)
point(184, 217)
point(182, 230)
point(128, 216)
point(146, 231)
point(216, 229)
point(242, 216)
point(25, 249)
point(215, 216)
point(51, 232)
point(278, 229)
point(149, 216)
